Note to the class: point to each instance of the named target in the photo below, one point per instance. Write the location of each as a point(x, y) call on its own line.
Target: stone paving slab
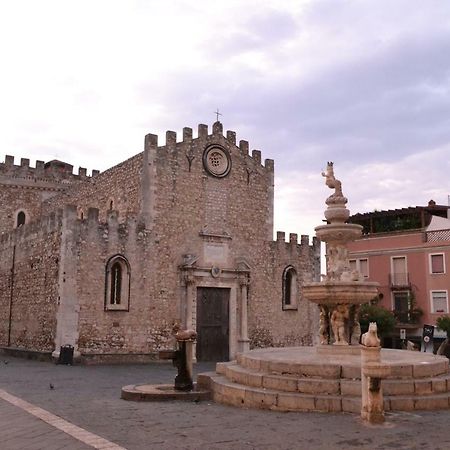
point(20, 430)
point(89, 397)
point(90, 439)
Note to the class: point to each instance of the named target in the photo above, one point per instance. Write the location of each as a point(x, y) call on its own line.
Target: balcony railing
point(408, 317)
point(399, 280)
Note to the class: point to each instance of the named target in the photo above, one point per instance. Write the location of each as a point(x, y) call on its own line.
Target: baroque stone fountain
point(340, 374)
point(342, 291)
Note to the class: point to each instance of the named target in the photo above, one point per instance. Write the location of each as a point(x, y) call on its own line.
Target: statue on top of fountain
point(338, 267)
point(333, 183)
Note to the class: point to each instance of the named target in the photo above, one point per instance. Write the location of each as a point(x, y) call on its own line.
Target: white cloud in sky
point(362, 83)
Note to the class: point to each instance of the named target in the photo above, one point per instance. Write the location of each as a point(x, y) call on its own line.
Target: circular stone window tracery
point(217, 161)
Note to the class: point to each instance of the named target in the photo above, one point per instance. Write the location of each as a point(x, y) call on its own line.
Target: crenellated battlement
point(294, 243)
point(52, 171)
point(68, 217)
point(290, 253)
point(217, 136)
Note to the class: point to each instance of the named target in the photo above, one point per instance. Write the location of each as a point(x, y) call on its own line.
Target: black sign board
point(428, 331)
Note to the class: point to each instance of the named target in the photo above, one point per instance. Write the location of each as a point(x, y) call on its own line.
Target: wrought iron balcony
point(399, 280)
point(408, 317)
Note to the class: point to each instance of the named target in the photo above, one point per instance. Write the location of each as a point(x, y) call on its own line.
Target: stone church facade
point(180, 233)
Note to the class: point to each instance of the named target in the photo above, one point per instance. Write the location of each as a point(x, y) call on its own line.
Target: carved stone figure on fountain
point(337, 262)
point(339, 319)
point(371, 339)
point(333, 183)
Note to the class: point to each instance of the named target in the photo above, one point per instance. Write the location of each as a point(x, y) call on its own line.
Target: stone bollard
point(372, 372)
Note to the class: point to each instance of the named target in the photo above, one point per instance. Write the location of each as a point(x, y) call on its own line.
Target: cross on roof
point(217, 113)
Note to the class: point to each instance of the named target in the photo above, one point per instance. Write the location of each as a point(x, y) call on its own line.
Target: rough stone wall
point(191, 210)
point(118, 187)
point(165, 206)
point(146, 327)
point(29, 261)
point(269, 324)
point(24, 188)
point(17, 198)
point(192, 207)
point(190, 202)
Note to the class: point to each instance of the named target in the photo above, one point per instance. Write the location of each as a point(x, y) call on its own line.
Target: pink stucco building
point(407, 251)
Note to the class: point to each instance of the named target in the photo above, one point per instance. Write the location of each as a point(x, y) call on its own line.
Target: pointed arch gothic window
point(289, 288)
point(117, 292)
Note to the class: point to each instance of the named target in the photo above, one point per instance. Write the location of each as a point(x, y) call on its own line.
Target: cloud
point(364, 84)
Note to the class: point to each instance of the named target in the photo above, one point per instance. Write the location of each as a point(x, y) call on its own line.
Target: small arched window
point(21, 219)
point(117, 295)
point(289, 288)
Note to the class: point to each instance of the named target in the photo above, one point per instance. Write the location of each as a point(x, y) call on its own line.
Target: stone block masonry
point(24, 188)
point(110, 262)
point(29, 268)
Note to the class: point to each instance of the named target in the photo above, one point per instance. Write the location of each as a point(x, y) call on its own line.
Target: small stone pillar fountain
point(342, 291)
point(372, 372)
point(183, 357)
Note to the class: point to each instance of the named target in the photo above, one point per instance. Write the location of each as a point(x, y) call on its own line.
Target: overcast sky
point(365, 84)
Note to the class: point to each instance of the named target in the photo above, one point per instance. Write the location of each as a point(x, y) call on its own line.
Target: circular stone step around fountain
point(317, 379)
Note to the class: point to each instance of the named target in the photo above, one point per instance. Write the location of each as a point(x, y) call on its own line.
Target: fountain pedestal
point(342, 290)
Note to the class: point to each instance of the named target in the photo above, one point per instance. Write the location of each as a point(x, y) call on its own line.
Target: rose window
point(216, 161)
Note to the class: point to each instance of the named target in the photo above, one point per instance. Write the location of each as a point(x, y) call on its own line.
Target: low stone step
point(306, 362)
point(285, 383)
point(346, 387)
point(403, 386)
point(286, 367)
point(417, 402)
point(228, 392)
point(231, 393)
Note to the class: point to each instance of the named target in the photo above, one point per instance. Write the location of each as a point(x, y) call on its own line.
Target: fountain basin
point(340, 292)
point(338, 233)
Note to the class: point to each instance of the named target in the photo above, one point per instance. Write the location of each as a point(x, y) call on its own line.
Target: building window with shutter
point(439, 302)
point(437, 263)
point(361, 265)
point(399, 276)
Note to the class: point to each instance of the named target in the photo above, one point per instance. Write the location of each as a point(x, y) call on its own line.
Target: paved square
point(89, 398)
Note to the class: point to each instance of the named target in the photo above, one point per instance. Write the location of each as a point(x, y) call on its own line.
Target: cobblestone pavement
point(88, 397)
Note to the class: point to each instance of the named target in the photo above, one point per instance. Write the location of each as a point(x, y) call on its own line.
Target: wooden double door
point(213, 319)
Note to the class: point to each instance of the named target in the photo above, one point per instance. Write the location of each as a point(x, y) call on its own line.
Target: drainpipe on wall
point(11, 294)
